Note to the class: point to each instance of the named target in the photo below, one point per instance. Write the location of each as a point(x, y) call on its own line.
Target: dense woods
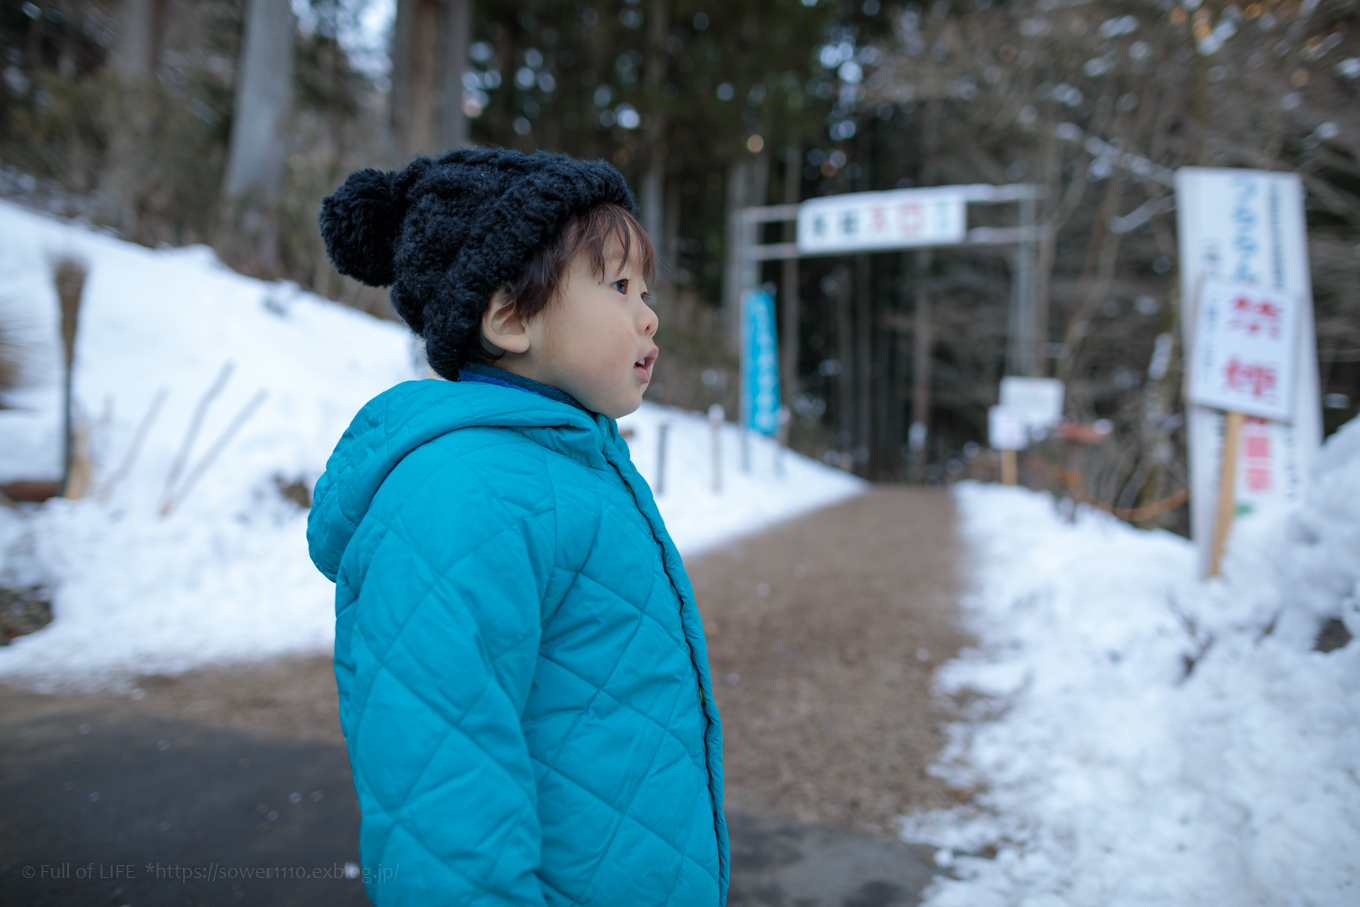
point(226, 121)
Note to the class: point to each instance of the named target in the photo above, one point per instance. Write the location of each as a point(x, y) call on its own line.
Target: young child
point(524, 686)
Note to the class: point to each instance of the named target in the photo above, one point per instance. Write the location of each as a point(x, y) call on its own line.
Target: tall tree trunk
point(457, 37)
point(735, 199)
point(264, 91)
point(747, 179)
point(255, 160)
point(420, 132)
point(399, 95)
point(672, 251)
point(141, 24)
point(654, 177)
point(1102, 254)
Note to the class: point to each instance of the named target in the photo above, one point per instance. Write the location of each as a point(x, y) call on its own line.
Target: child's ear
point(502, 327)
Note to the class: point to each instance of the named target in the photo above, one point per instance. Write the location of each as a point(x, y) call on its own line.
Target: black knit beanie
point(445, 234)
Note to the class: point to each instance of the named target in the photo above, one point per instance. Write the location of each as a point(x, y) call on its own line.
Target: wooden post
point(1227, 487)
point(69, 276)
point(1008, 469)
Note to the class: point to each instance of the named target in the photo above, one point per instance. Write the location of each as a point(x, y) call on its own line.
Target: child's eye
point(621, 286)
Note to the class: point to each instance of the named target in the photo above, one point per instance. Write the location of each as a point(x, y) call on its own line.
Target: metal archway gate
point(867, 222)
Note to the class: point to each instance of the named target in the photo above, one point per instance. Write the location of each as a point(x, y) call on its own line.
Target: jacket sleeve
point(442, 645)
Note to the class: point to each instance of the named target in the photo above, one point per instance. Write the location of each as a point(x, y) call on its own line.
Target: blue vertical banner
point(760, 363)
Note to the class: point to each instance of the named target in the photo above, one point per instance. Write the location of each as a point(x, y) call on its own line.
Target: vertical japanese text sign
point(862, 221)
point(1245, 347)
point(1247, 227)
point(760, 383)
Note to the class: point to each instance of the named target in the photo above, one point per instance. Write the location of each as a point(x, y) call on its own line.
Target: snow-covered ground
point(225, 576)
point(1105, 773)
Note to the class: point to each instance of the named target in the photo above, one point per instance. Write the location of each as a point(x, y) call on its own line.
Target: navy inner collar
point(489, 374)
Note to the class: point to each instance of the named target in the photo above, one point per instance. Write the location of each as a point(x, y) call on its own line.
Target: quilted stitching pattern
point(519, 658)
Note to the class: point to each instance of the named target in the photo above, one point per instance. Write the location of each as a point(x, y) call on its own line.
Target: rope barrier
point(1147, 511)
point(1076, 488)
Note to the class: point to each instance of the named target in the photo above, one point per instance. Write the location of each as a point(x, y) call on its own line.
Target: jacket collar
point(413, 413)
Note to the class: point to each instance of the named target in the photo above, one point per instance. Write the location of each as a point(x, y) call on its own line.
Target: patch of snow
point(225, 576)
point(697, 517)
point(1114, 777)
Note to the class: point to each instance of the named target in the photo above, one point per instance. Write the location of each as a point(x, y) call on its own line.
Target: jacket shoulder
point(483, 474)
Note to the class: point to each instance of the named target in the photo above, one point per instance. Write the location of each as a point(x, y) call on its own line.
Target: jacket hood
point(413, 413)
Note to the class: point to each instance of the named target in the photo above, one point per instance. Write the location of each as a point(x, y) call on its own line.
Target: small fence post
point(662, 429)
point(715, 423)
point(783, 442)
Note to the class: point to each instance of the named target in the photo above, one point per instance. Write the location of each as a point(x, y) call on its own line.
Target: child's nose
point(649, 320)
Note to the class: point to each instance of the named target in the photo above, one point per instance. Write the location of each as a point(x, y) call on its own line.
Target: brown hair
point(590, 231)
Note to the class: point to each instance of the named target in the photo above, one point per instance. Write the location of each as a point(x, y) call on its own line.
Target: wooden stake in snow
point(69, 275)
point(1227, 488)
point(1007, 433)
point(222, 441)
point(1008, 467)
point(142, 430)
point(1244, 361)
point(195, 424)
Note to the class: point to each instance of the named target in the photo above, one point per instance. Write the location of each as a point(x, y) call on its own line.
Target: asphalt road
point(102, 805)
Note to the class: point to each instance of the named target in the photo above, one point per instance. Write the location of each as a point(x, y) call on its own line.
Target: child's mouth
point(644, 365)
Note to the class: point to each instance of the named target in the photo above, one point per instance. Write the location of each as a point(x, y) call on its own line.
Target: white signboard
point(1039, 401)
point(861, 221)
point(1006, 429)
point(1244, 349)
point(1247, 226)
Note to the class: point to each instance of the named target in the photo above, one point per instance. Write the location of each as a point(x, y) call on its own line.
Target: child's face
point(594, 341)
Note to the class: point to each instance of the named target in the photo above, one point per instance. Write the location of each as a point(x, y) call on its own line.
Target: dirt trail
point(823, 635)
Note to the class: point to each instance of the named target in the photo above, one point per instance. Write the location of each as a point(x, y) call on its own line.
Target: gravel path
point(823, 635)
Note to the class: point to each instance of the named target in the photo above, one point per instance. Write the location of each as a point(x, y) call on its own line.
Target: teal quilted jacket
point(524, 685)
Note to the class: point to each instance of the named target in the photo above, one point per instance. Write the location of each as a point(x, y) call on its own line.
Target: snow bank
point(226, 576)
point(1113, 777)
point(697, 517)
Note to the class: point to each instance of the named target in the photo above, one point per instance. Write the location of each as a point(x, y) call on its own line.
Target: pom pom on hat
point(445, 234)
point(359, 225)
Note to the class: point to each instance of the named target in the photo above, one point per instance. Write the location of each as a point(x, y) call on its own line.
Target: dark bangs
point(590, 232)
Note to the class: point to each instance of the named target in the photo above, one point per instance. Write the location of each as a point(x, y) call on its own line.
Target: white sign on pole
point(1244, 349)
point(861, 221)
point(1006, 429)
point(1039, 401)
point(1247, 226)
